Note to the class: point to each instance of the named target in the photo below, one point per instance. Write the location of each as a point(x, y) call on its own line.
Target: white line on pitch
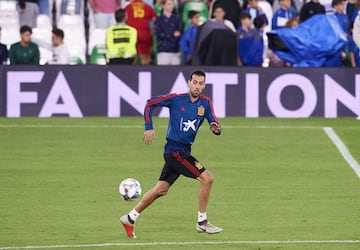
point(141, 126)
point(245, 242)
point(343, 150)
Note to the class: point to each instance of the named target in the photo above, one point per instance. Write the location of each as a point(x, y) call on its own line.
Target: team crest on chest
point(201, 110)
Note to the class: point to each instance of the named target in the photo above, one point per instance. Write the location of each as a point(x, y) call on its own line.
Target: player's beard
point(195, 93)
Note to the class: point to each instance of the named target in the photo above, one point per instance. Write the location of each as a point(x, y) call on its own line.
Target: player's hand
point(149, 135)
point(215, 128)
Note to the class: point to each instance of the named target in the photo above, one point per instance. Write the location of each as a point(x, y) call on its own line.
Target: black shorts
point(177, 164)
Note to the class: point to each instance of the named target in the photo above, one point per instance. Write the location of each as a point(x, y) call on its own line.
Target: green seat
point(201, 7)
point(98, 55)
point(157, 8)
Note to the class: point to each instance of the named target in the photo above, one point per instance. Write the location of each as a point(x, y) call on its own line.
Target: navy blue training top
point(185, 119)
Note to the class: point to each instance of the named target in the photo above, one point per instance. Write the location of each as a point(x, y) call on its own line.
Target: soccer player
point(187, 113)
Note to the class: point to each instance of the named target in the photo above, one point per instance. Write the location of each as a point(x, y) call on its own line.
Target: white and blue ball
point(130, 189)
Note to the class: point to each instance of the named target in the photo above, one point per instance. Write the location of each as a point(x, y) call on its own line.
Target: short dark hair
point(336, 2)
point(58, 32)
point(120, 15)
point(25, 28)
point(245, 15)
point(259, 21)
point(192, 13)
point(197, 73)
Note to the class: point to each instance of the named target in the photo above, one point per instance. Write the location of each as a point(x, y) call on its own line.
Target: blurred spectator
point(4, 54)
point(71, 7)
point(28, 12)
point(354, 53)
point(339, 7)
point(282, 15)
point(141, 16)
point(168, 30)
point(356, 30)
point(25, 51)
point(219, 16)
point(311, 8)
point(250, 41)
point(232, 10)
point(121, 41)
point(352, 8)
point(104, 12)
point(44, 7)
point(187, 41)
point(295, 5)
point(356, 11)
point(255, 10)
point(59, 49)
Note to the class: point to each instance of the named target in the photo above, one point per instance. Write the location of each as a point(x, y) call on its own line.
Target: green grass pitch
point(279, 184)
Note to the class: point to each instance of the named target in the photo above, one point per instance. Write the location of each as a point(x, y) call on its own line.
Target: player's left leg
point(189, 166)
point(204, 226)
point(206, 179)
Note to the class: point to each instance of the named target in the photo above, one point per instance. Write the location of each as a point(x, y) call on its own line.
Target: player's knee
point(161, 191)
point(208, 178)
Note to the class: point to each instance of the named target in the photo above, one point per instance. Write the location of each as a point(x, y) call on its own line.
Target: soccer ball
point(130, 189)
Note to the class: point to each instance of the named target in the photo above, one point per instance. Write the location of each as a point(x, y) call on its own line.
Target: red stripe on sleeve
point(155, 101)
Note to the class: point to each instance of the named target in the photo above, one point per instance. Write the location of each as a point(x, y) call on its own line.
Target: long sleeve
point(157, 101)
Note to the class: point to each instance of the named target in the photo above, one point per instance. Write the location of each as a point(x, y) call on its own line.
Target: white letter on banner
point(14, 96)
point(252, 95)
point(273, 96)
point(334, 92)
point(180, 86)
point(60, 91)
point(118, 90)
point(219, 82)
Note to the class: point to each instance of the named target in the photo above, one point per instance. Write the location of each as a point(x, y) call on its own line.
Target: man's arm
point(158, 101)
point(210, 116)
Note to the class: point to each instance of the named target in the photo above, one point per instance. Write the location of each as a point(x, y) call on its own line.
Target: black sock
point(130, 220)
point(202, 222)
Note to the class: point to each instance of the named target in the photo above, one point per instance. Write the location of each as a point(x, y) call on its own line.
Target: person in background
point(168, 30)
point(59, 49)
point(255, 10)
point(141, 16)
point(343, 19)
point(104, 12)
point(71, 7)
point(44, 7)
point(219, 16)
point(4, 53)
point(28, 12)
point(356, 30)
point(283, 14)
point(313, 7)
point(232, 9)
point(354, 52)
point(25, 51)
point(250, 41)
point(121, 41)
point(187, 41)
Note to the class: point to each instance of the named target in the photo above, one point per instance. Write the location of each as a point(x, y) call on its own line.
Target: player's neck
point(193, 98)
